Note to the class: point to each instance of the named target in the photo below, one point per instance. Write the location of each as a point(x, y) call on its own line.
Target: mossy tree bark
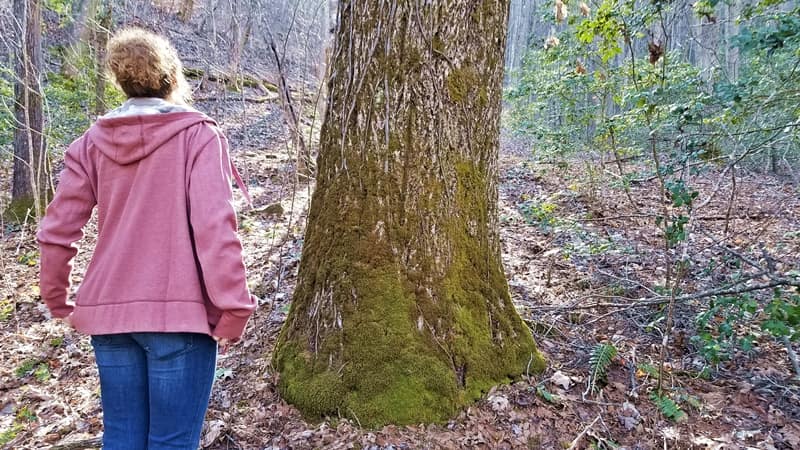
point(31, 186)
point(402, 312)
point(102, 30)
point(74, 48)
point(185, 13)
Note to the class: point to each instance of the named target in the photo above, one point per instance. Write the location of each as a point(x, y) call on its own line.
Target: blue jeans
point(154, 388)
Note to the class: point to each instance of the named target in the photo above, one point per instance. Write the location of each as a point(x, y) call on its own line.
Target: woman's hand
point(223, 343)
point(68, 321)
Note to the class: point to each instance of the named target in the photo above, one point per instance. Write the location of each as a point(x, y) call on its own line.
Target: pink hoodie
point(167, 257)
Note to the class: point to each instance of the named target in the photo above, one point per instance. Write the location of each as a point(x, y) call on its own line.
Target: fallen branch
point(236, 80)
point(265, 99)
point(655, 301)
point(96, 442)
point(757, 216)
point(626, 216)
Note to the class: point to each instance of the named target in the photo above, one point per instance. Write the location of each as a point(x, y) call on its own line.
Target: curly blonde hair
point(144, 64)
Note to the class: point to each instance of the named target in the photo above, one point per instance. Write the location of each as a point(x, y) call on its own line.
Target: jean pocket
point(110, 340)
point(164, 346)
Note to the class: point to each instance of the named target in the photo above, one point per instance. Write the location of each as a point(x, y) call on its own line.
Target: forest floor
point(570, 239)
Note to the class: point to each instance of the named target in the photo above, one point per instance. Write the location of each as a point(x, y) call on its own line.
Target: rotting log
point(231, 79)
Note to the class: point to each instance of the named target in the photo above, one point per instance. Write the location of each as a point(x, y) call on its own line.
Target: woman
point(166, 282)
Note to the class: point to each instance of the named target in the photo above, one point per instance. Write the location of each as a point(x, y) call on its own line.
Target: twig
point(578, 439)
point(731, 199)
point(528, 367)
point(632, 368)
point(23, 231)
point(621, 170)
point(716, 189)
point(668, 328)
point(792, 356)
point(627, 280)
point(303, 157)
point(654, 301)
point(756, 216)
point(355, 417)
point(626, 216)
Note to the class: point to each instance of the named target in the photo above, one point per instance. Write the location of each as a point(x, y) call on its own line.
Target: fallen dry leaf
point(559, 379)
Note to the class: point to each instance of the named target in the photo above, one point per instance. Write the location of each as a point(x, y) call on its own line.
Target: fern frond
point(599, 361)
point(668, 407)
point(647, 369)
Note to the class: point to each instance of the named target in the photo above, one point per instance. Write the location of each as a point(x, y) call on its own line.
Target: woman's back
point(143, 171)
point(166, 282)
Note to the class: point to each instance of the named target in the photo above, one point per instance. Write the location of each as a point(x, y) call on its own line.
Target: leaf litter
point(49, 392)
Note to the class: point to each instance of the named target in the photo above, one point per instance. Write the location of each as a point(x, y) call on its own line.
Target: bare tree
point(74, 47)
point(101, 34)
point(185, 12)
point(31, 186)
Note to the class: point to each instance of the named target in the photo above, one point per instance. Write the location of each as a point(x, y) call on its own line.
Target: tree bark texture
point(101, 35)
point(185, 12)
point(31, 185)
point(74, 47)
point(402, 312)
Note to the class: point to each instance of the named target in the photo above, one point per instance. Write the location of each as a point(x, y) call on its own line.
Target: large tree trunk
point(185, 13)
point(78, 34)
point(102, 32)
point(31, 186)
point(402, 312)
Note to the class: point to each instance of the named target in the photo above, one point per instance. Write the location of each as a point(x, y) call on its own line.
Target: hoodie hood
point(128, 139)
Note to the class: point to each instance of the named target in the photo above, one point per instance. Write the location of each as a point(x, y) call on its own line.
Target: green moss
point(491, 343)
point(438, 44)
point(485, 10)
point(21, 210)
point(398, 375)
point(9, 434)
point(401, 356)
point(409, 348)
point(390, 374)
point(316, 394)
point(483, 96)
point(460, 82)
point(413, 61)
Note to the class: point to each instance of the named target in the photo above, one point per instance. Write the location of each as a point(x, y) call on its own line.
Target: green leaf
point(668, 407)
point(542, 391)
point(599, 362)
point(648, 369)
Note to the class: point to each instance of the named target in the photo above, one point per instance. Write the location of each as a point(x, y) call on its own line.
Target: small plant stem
point(730, 199)
point(665, 338)
point(577, 440)
point(625, 183)
point(792, 356)
point(667, 260)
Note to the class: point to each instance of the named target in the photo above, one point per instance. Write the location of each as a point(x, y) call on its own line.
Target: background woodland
point(648, 213)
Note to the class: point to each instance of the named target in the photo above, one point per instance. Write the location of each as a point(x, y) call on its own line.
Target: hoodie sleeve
point(219, 251)
point(61, 228)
